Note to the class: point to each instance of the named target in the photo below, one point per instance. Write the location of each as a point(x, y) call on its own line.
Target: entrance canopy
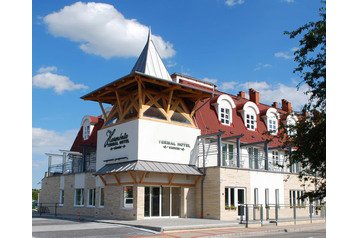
point(149, 166)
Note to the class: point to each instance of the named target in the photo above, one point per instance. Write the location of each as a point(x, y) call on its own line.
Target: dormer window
point(249, 115)
point(86, 132)
point(250, 121)
point(224, 105)
point(271, 119)
point(291, 121)
point(225, 115)
point(272, 125)
point(87, 126)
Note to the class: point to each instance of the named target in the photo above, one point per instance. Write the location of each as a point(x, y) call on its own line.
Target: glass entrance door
point(241, 203)
point(161, 201)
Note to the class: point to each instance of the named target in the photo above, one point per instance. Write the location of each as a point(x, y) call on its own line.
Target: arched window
point(87, 127)
point(224, 105)
point(291, 121)
point(271, 120)
point(249, 115)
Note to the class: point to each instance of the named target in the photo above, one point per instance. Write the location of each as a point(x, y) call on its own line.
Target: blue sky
point(78, 47)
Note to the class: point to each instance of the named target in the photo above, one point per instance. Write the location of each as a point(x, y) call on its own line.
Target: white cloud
point(283, 54)
point(102, 30)
point(260, 66)
point(270, 93)
point(274, 93)
point(214, 81)
point(46, 79)
point(49, 141)
point(47, 69)
point(227, 86)
point(288, 1)
point(231, 3)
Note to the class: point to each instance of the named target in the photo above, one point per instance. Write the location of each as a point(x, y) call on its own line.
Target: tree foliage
point(309, 139)
point(35, 194)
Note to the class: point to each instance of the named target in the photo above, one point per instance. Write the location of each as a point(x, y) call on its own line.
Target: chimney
point(286, 105)
point(275, 104)
point(241, 94)
point(254, 96)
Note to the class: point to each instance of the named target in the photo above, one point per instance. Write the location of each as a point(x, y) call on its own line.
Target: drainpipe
point(202, 181)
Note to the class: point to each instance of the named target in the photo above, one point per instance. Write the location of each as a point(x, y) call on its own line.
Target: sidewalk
point(188, 225)
point(239, 232)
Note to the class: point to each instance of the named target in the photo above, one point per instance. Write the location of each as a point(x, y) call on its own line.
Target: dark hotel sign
point(174, 145)
point(116, 142)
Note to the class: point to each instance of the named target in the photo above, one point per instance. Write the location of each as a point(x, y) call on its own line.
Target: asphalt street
point(56, 228)
point(300, 234)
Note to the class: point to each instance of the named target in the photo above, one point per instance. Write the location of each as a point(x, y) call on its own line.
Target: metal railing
point(47, 208)
point(276, 213)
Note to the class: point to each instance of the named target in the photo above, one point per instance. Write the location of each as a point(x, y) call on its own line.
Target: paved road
point(56, 228)
point(300, 234)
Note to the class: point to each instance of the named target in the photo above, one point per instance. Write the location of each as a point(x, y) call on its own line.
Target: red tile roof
point(79, 142)
point(208, 122)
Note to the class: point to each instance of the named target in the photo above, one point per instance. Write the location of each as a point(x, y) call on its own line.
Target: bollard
point(261, 214)
point(311, 211)
point(253, 212)
point(55, 209)
point(294, 213)
point(247, 216)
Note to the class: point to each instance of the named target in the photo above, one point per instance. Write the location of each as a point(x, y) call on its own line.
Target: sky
point(78, 47)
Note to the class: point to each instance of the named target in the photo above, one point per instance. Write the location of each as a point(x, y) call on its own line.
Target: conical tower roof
point(150, 63)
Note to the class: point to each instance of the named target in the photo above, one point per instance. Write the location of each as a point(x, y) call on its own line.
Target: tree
point(309, 139)
point(35, 194)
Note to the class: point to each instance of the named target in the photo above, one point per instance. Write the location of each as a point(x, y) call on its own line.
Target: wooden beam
point(117, 179)
point(104, 113)
point(133, 176)
point(143, 176)
point(103, 180)
point(169, 100)
point(170, 178)
point(167, 184)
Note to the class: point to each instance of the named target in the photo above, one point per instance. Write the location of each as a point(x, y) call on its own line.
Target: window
point(272, 124)
point(251, 121)
point(295, 168)
point(128, 196)
point(91, 197)
point(225, 116)
point(101, 197)
point(256, 196)
point(224, 106)
point(228, 155)
point(62, 197)
point(229, 197)
point(254, 158)
point(86, 130)
point(275, 159)
point(296, 198)
point(79, 199)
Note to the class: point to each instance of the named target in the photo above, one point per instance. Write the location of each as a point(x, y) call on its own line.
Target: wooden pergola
point(132, 95)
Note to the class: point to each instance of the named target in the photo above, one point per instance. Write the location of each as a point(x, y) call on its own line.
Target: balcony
point(212, 151)
point(69, 162)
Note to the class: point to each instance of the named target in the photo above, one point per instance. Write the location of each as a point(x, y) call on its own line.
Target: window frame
point(251, 121)
point(81, 196)
point(91, 196)
point(62, 197)
point(225, 115)
point(125, 198)
point(101, 200)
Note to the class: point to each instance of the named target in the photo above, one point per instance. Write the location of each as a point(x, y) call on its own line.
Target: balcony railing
point(254, 162)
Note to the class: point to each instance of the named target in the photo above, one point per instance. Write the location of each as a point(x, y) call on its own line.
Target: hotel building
point(174, 146)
